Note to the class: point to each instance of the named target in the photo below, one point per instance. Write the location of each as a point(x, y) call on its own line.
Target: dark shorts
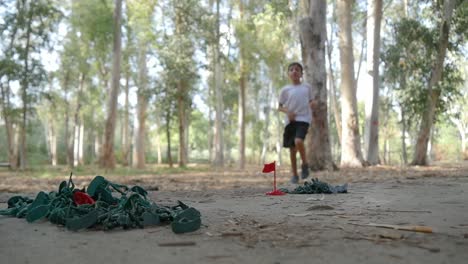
point(292, 131)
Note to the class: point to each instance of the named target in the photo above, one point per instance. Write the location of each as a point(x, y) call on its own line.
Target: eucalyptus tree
point(92, 23)
point(411, 60)
point(27, 26)
point(313, 37)
point(371, 131)
point(108, 156)
point(351, 155)
point(433, 92)
point(140, 23)
point(176, 54)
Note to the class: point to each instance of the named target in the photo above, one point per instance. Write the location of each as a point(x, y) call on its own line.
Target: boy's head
point(295, 64)
point(295, 72)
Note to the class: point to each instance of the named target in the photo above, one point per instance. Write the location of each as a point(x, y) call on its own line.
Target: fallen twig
point(177, 244)
point(423, 229)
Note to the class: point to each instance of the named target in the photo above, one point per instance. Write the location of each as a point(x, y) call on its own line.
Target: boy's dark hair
point(295, 64)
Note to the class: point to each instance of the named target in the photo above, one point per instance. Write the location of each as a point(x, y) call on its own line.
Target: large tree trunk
point(313, 37)
point(218, 137)
point(420, 152)
point(371, 131)
point(351, 155)
point(108, 158)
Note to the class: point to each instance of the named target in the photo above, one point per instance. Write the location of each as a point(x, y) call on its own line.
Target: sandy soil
point(241, 224)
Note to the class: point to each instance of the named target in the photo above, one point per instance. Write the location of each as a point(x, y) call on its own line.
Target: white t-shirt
point(296, 99)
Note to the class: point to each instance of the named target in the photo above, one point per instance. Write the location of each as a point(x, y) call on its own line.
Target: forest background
point(136, 83)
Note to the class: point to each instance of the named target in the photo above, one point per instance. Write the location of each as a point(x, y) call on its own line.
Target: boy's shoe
point(304, 171)
point(294, 179)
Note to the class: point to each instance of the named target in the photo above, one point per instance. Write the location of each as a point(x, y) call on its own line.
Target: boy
point(296, 102)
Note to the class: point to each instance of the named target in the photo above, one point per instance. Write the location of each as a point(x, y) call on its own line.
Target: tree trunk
point(371, 134)
point(108, 159)
point(242, 88)
point(420, 153)
point(142, 97)
point(313, 37)
point(219, 139)
point(403, 135)
point(77, 123)
point(24, 90)
point(125, 125)
point(181, 110)
point(351, 155)
point(331, 83)
point(9, 126)
point(266, 133)
point(168, 138)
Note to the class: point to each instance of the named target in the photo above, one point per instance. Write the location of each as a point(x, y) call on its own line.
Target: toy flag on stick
point(271, 167)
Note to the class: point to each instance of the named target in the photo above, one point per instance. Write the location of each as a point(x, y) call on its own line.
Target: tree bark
point(219, 139)
point(9, 127)
point(24, 90)
point(108, 159)
point(351, 155)
point(371, 134)
point(126, 124)
point(142, 98)
point(420, 153)
point(313, 37)
point(242, 88)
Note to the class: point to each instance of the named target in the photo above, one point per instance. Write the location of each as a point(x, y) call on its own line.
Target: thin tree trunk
point(181, 87)
point(420, 153)
point(266, 133)
point(168, 138)
point(24, 90)
point(371, 131)
point(9, 127)
point(76, 124)
point(242, 89)
point(125, 125)
point(351, 155)
point(108, 160)
point(142, 97)
point(403, 135)
point(219, 139)
point(331, 83)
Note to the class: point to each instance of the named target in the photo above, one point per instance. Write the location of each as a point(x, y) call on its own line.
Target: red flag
point(269, 167)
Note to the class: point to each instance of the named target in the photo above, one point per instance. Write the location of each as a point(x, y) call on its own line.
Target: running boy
point(296, 102)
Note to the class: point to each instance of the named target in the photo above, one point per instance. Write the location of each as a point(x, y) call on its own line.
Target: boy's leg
point(301, 133)
point(292, 156)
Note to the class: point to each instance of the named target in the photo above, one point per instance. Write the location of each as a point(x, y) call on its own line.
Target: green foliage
point(408, 66)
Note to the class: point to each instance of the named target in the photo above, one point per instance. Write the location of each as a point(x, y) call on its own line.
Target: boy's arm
point(313, 104)
point(291, 115)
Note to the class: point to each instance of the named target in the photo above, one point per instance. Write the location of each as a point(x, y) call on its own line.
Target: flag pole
point(275, 191)
point(274, 178)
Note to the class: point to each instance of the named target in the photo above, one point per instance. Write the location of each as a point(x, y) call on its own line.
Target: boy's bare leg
point(299, 143)
point(301, 148)
point(292, 156)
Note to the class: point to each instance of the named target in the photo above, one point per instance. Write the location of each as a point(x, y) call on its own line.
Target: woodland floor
point(243, 225)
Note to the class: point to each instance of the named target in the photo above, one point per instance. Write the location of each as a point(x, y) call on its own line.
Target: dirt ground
point(243, 225)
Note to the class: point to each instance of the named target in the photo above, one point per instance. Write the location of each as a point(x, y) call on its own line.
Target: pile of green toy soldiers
point(97, 207)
